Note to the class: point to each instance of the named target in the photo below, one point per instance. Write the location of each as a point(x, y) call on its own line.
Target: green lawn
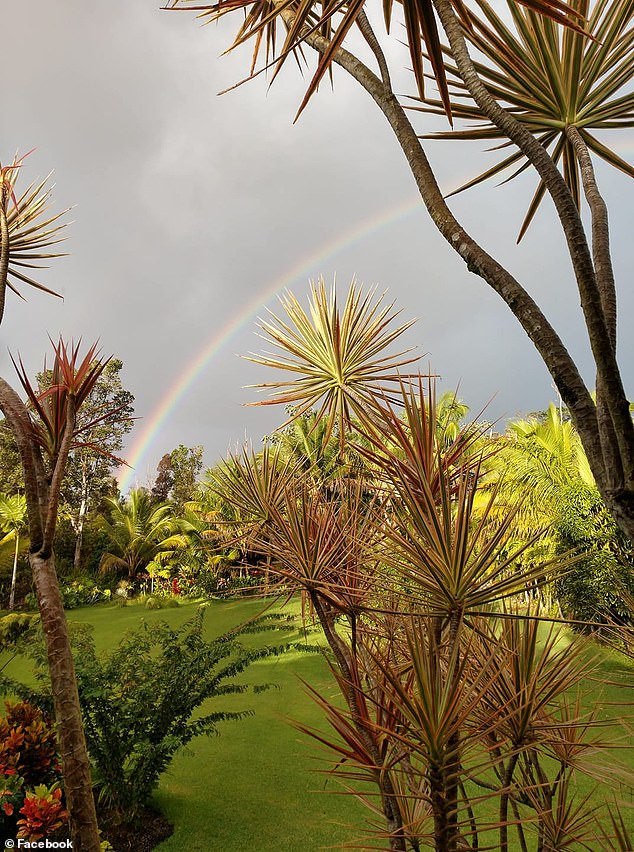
point(257, 786)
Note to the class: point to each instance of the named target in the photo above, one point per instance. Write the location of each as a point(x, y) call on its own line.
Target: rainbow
point(197, 365)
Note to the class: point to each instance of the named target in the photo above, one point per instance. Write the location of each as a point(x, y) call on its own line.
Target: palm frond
point(549, 77)
point(336, 358)
point(334, 20)
point(30, 228)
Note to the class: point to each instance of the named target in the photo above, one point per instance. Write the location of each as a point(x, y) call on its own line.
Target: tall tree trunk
point(81, 518)
point(14, 575)
point(42, 497)
point(75, 762)
point(79, 540)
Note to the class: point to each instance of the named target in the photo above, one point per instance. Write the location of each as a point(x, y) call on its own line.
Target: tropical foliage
point(542, 80)
point(558, 82)
point(147, 698)
point(455, 701)
point(542, 459)
point(140, 534)
point(28, 230)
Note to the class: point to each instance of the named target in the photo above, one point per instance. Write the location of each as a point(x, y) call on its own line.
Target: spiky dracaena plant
point(336, 358)
point(44, 433)
point(562, 85)
point(45, 428)
point(329, 29)
point(26, 231)
point(409, 579)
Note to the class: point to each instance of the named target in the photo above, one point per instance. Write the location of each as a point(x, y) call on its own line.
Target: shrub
point(80, 592)
point(11, 796)
point(138, 700)
point(28, 744)
point(43, 813)
point(14, 626)
point(29, 759)
point(600, 584)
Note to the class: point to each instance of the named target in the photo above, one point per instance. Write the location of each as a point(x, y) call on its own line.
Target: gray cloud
point(190, 205)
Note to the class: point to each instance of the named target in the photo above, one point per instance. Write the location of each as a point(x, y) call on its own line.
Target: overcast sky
point(192, 210)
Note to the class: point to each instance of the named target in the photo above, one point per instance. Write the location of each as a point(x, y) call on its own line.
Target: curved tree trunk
point(42, 495)
point(75, 762)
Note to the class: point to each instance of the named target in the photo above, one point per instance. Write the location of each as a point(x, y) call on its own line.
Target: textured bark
point(507, 782)
point(4, 250)
point(14, 573)
point(75, 763)
point(81, 519)
point(615, 468)
point(600, 232)
point(596, 287)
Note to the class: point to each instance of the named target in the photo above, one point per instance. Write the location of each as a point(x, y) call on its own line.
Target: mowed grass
point(258, 785)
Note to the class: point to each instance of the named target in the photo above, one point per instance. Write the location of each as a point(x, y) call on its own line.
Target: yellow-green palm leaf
point(336, 358)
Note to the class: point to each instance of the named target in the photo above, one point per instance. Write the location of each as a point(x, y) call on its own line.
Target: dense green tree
point(11, 476)
point(177, 474)
point(599, 586)
point(164, 479)
point(541, 458)
point(187, 462)
point(105, 418)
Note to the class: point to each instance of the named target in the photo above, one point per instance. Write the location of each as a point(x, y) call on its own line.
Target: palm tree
point(140, 533)
point(13, 520)
point(544, 456)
